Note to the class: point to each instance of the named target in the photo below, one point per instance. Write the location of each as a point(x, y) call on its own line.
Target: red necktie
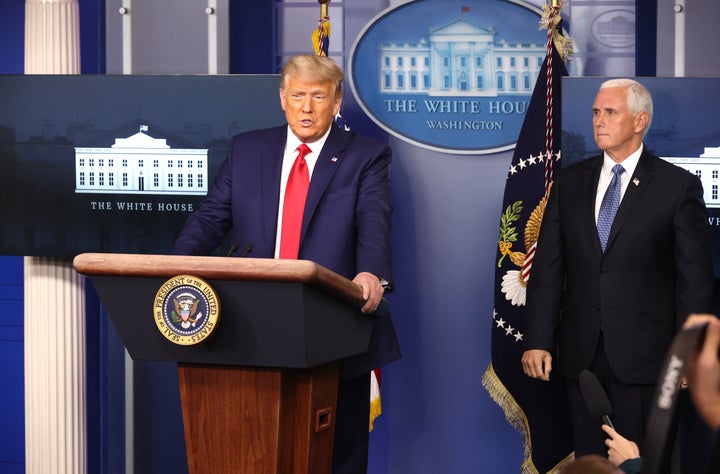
point(294, 205)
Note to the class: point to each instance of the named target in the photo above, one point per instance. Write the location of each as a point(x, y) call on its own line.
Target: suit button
point(603, 270)
point(597, 307)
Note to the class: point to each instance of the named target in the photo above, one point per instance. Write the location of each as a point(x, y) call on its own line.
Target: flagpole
point(323, 7)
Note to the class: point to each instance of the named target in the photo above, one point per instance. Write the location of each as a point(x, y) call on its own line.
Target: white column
point(55, 434)
point(52, 37)
point(55, 408)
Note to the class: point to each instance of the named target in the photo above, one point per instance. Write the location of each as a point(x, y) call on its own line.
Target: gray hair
point(638, 97)
point(315, 68)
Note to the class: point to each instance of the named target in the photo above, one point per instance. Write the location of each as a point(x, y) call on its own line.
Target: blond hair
point(314, 68)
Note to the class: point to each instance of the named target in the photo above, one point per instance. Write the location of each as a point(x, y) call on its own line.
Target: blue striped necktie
point(609, 206)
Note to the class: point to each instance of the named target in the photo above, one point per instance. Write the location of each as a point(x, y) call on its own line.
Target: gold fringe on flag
point(516, 417)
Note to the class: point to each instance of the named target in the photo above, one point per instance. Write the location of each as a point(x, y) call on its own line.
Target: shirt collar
point(629, 163)
point(292, 142)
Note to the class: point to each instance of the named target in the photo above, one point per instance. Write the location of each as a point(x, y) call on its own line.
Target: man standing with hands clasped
point(623, 258)
point(312, 191)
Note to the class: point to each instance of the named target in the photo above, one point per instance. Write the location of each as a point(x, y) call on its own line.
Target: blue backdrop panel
point(12, 442)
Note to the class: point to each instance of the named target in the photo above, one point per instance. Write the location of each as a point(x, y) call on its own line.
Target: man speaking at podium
point(309, 190)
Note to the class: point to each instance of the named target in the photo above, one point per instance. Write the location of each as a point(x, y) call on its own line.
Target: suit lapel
point(589, 194)
point(327, 164)
point(639, 182)
point(272, 152)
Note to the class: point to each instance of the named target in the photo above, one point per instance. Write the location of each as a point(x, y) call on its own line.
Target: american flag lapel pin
point(636, 181)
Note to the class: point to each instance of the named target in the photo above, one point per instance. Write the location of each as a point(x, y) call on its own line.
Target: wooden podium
point(259, 394)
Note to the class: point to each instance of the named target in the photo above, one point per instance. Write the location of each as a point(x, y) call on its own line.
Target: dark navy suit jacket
point(346, 223)
point(656, 270)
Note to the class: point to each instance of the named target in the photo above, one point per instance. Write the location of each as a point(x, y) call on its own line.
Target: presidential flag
point(535, 408)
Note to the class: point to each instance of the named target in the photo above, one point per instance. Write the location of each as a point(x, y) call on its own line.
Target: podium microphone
point(233, 249)
point(595, 397)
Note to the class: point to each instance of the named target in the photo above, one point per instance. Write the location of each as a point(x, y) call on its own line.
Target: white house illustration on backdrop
point(460, 59)
point(141, 164)
point(707, 168)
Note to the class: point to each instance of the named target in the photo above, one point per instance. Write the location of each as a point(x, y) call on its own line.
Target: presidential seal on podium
point(186, 310)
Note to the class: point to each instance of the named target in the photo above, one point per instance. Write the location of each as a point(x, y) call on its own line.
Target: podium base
point(258, 420)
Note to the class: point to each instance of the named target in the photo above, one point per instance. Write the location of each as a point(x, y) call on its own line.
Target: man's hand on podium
point(372, 291)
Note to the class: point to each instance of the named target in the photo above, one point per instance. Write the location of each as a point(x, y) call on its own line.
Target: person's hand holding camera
point(703, 370)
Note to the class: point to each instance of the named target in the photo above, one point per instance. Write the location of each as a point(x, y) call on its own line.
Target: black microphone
point(232, 250)
point(595, 397)
point(248, 249)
